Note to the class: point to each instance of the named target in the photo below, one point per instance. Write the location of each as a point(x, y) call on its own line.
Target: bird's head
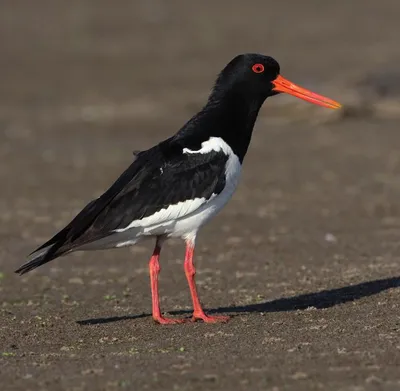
point(259, 75)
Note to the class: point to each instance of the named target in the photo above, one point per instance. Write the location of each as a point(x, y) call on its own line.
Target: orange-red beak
point(283, 85)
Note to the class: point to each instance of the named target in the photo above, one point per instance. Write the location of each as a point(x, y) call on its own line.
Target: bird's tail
point(38, 258)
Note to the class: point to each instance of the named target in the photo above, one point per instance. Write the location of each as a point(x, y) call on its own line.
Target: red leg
point(154, 267)
point(190, 272)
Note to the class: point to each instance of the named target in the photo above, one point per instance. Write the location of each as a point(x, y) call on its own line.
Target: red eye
point(258, 68)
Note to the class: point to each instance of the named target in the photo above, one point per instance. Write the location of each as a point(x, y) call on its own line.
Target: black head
point(256, 76)
point(249, 74)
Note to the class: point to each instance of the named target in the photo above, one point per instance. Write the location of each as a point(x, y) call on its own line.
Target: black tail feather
point(42, 256)
point(69, 237)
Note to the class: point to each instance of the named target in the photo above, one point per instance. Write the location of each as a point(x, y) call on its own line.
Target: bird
point(175, 187)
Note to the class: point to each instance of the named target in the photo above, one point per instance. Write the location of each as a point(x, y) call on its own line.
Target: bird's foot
point(162, 320)
point(209, 318)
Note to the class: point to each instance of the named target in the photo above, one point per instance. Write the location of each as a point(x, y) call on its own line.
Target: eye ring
point(258, 68)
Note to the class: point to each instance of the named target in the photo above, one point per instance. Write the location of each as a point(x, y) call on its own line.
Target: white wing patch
point(173, 212)
point(215, 144)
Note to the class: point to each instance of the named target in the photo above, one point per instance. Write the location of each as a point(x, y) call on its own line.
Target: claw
point(162, 320)
point(210, 319)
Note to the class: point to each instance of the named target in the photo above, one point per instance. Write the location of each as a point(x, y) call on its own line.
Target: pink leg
point(190, 272)
point(154, 267)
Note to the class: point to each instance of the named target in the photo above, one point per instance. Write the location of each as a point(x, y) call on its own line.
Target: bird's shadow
point(322, 299)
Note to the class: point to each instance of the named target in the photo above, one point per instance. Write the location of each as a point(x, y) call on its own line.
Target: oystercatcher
point(175, 187)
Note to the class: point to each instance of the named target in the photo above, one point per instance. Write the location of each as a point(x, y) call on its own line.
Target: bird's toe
point(210, 319)
point(163, 320)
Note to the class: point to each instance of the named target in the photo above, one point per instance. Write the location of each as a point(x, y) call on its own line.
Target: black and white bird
point(175, 187)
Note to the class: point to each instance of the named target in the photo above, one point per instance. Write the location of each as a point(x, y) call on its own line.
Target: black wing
point(184, 178)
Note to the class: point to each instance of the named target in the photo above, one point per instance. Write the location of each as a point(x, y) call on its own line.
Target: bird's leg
point(154, 267)
point(190, 272)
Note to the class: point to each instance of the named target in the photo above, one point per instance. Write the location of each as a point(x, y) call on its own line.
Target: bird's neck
point(230, 115)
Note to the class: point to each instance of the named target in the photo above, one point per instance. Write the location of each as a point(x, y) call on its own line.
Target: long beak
point(283, 85)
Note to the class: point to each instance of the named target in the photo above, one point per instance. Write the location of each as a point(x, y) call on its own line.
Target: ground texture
point(305, 257)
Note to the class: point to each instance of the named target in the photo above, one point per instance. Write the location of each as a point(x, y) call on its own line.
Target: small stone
point(233, 240)
point(299, 376)
point(330, 238)
point(373, 380)
point(210, 377)
point(75, 280)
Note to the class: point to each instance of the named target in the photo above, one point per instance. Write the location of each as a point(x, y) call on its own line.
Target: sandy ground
point(306, 255)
